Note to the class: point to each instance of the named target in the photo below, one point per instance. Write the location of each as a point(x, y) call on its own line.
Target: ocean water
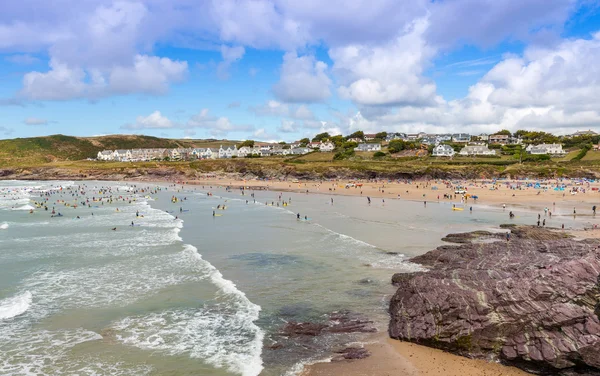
point(183, 292)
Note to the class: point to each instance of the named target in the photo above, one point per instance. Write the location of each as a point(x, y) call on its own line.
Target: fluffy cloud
point(303, 79)
point(153, 121)
point(22, 59)
point(217, 126)
point(278, 109)
point(147, 74)
point(6, 131)
point(387, 75)
point(35, 121)
point(230, 55)
point(287, 126)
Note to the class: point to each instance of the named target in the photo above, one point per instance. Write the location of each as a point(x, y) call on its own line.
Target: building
point(368, 147)
point(244, 151)
point(502, 139)
point(430, 140)
point(326, 146)
point(546, 149)
point(461, 137)
point(122, 155)
point(443, 151)
point(395, 136)
point(584, 133)
point(300, 151)
point(228, 152)
point(105, 155)
point(356, 139)
point(314, 145)
point(370, 136)
point(471, 150)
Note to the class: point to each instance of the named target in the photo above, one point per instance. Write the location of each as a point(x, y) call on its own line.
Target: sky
point(275, 70)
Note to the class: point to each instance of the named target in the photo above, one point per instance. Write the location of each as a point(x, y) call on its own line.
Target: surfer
point(114, 229)
point(132, 224)
point(306, 218)
point(298, 216)
point(511, 215)
point(213, 213)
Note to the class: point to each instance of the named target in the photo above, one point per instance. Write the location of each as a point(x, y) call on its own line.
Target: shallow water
point(199, 294)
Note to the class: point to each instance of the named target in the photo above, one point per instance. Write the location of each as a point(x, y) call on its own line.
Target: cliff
point(532, 302)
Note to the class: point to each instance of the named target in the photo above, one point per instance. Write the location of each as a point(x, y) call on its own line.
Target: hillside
point(40, 150)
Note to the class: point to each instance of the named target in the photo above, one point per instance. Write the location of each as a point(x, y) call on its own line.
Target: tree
point(349, 145)
point(504, 132)
point(381, 135)
point(249, 143)
point(379, 154)
point(282, 143)
point(396, 145)
point(357, 134)
point(321, 137)
point(305, 141)
point(337, 140)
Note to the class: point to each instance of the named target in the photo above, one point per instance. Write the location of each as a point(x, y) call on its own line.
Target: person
point(213, 213)
point(594, 209)
point(369, 199)
point(114, 229)
point(544, 223)
point(306, 218)
point(574, 212)
point(137, 213)
point(538, 223)
point(332, 201)
point(511, 215)
point(298, 216)
point(503, 206)
point(132, 224)
point(508, 236)
point(425, 203)
point(563, 226)
point(471, 209)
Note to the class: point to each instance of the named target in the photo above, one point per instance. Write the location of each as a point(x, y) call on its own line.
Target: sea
point(131, 278)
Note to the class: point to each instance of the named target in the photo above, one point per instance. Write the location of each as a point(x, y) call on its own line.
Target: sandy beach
point(391, 357)
point(433, 190)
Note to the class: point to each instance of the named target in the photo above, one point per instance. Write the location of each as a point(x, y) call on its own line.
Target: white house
point(326, 146)
point(228, 152)
point(314, 145)
point(551, 149)
point(105, 155)
point(370, 136)
point(244, 151)
point(122, 155)
point(443, 151)
point(368, 147)
point(356, 139)
point(476, 150)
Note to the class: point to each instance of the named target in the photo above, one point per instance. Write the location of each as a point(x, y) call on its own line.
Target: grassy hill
point(39, 150)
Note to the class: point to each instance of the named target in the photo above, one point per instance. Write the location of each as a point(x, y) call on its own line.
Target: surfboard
point(459, 209)
point(218, 215)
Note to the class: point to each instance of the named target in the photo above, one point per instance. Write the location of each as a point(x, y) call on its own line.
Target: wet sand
point(392, 358)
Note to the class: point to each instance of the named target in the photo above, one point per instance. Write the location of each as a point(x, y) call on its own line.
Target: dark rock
point(339, 322)
point(366, 281)
point(351, 353)
point(532, 302)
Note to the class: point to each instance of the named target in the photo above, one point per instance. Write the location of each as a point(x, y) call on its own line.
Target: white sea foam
point(223, 334)
point(15, 305)
point(24, 207)
point(4, 226)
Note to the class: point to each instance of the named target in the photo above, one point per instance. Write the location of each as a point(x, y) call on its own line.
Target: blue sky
point(283, 70)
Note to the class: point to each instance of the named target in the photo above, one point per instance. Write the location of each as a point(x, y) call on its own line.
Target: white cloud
point(153, 121)
point(303, 79)
point(230, 56)
point(278, 109)
point(217, 126)
point(389, 74)
point(265, 135)
point(22, 59)
point(35, 121)
point(287, 126)
point(147, 74)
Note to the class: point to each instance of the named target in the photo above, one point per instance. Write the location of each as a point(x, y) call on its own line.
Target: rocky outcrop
point(532, 302)
point(338, 322)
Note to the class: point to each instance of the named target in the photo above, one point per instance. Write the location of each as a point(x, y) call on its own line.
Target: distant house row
point(477, 150)
point(185, 154)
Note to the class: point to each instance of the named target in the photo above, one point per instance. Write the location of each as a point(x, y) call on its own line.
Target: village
point(437, 145)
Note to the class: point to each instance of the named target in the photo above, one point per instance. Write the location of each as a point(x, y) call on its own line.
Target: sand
point(391, 357)
point(394, 358)
point(487, 193)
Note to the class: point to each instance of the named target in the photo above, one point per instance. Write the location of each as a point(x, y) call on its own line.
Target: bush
point(343, 154)
point(379, 154)
point(582, 153)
